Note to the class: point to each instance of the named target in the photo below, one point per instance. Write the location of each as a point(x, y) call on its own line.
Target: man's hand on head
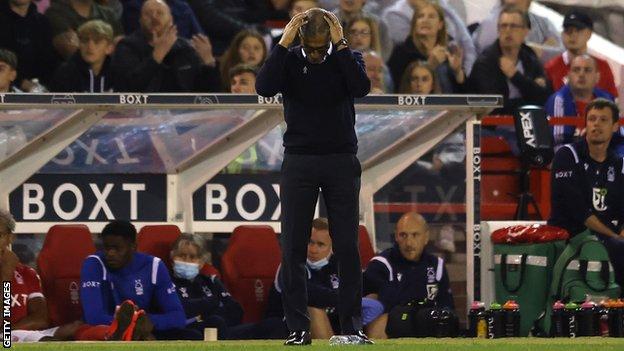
point(292, 28)
point(335, 28)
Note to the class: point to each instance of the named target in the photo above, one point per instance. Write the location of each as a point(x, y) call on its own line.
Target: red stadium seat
point(60, 260)
point(248, 265)
point(366, 248)
point(157, 240)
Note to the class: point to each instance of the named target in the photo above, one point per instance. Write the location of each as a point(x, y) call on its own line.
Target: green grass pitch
point(458, 344)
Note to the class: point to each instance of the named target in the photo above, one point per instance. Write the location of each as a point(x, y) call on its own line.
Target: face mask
point(185, 270)
point(315, 266)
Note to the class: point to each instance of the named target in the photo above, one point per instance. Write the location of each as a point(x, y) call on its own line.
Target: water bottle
point(603, 313)
point(477, 327)
point(37, 86)
point(616, 319)
point(512, 318)
point(570, 319)
point(588, 319)
point(496, 321)
point(558, 327)
point(444, 326)
point(345, 340)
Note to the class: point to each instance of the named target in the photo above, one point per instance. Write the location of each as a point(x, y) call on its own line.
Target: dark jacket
point(322, 286)
point(318, 98)
point(134, 69)
point(76, 75)
point(30, 38)
point(206, 296)
point(487, 78)
point(582, 187)
point(63, 17)
point(398, 281)
point(405, 53)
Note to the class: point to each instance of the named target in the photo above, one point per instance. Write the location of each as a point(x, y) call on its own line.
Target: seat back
point(248, 266)
point(366, 247)
point(156, 240)
point(59, 262)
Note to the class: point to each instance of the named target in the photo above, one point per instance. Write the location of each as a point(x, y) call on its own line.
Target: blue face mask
point(185, 270)
point(315, 266)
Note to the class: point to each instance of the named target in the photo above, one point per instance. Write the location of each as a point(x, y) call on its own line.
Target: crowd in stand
point(410, 46)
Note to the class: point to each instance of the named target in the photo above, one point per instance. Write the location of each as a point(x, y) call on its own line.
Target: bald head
point(412, 235)
point(155, 17)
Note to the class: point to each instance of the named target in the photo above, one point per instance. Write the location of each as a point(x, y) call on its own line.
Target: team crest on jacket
point(598, 198)
point(335, 281)
point(138, 286)
point(430, 275)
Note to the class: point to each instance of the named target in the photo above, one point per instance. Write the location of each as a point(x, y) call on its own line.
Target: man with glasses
point(318, 81)
point(509, 67)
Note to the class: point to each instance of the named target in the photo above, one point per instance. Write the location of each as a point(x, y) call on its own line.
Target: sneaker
point(142, 328)
point(364, 340)
point(123, 319)
point(298, 338)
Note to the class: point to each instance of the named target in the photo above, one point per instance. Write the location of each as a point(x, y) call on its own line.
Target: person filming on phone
point(318, 80)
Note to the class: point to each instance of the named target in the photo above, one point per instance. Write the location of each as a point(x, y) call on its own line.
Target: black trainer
point(364, 339)
point(298, 338)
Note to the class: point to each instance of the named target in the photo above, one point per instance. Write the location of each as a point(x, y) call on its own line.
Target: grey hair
point(191, 239)
point(7, 220)
point(316, 24)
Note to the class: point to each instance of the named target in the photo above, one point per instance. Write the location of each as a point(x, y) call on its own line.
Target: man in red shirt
point(577, 29)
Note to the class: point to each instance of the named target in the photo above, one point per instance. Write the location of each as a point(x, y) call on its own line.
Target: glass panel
point(19, 127)
point(376, 131)
point(145, 141)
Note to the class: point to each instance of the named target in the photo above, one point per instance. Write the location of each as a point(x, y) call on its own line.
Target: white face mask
point(315, 266)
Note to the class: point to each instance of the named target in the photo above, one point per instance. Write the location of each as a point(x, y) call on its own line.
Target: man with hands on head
point(319, 80)
point(155, 59)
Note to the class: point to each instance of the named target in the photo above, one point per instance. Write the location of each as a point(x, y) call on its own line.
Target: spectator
point(247, 47)
point(322, 285)
point(348, 10)
point(223, 19)
point(27, 33)
point(399, 16)
point(296, 6)
point(372, 6)
point(66, 16)
point(542, 36)
point(8, 71)
point(243, 79)
point(377, 73)
point(428, 41)
point(577, 29)
point(572, 98)
point(183, 17)
point(119, 274)
point(509, 67)
point(406, 273)
point(419, 78)
point(88, 70)
point(587, 184)
point(362, 33)
point(155, 59)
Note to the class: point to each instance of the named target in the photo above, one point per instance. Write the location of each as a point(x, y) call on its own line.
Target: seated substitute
point(587, 182)
point(405, 273)
point(120, 276)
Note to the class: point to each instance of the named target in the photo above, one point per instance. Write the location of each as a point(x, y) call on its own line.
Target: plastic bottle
point(444, 325)
point(37, 86)
point(588, 319)
point(496, 321)
point(616, 319)
point(512, 318)
point(603, 316)
point(570, 319)
point(477, 325)
point(557, 326)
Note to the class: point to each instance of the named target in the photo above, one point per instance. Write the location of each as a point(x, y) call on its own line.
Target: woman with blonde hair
point(247, 47)
point(428, 41)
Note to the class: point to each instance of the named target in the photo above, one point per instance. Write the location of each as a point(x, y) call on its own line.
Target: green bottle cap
point(571, 306)
point(495, 306)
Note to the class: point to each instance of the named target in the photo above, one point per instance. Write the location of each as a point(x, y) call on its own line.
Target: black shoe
point(364, 340)
point(301, 337)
